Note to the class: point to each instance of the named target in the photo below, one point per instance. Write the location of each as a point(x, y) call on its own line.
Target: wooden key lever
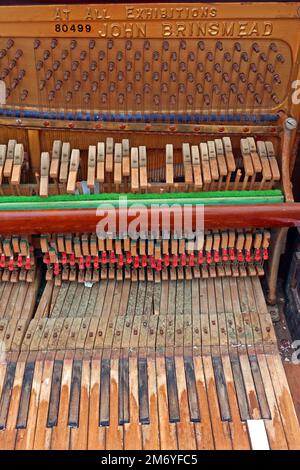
point(55, 160)
point(134, 169)
point(44, 178)
point(91, 166)
point(64, 166)
point(17, 165)
point(74, 165)
point(8, 166)
point(169, 165)
point(118, 164)
point(143, 167)
point(100, 162)
point(3, 149)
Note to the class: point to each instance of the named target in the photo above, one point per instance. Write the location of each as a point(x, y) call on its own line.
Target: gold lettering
point(141, 30)
point(213, 12)
point(213, 29)
point(130, 12)
point(180, 29)
point(242, 29)
point(253, 30)
point(89, 15)
point(228, 29)
point(201, 29)
point(166, 30)
point(57, 14)
point(115, 30)
point(268, 29)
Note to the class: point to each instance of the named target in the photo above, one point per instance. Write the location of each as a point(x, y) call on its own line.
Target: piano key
point(185, 428)
point(55, 394)
point(114, 432)
point(61, 432)
point(191, 389)
point(258, 435)
point(74, 405)
point(143, 391)
point(42, 437)
point(6, 393)
point(150, 431)
point(132, 430)
point(25, 395)
point(8, 438)
point(167, 430)
point(221, 388)
point(25, 436)
point(174, 414)
point(79, 436)
point(104, 392)
point(96, 436)
point(253, 404)
point(240, 388)
point(123, 399)
point(260, 390)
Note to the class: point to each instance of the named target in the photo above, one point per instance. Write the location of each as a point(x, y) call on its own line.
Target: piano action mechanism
point(158, 341)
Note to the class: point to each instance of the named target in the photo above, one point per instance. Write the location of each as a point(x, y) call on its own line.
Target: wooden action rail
point(122, 365)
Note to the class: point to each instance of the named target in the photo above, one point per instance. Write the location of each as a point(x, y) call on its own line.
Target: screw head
point(290, 123)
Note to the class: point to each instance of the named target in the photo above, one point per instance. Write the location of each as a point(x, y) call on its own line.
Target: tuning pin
point(42, 84)
point(275, 98)
point(199, 88)
point(237, 47)
point(93, 66)
point(120, 76)
point(244, 56)
point(128, 66)
point(260, 78)
point(128, 45)
point(164, 87)
point(67, 74)
point(225, 77)
point(236, 67)
point(156, 100)
point(147, 45)
point(75, 65)
point(85, 75)
point(12, 65)
point(182, 66)
point(56, 65)
point(155, 76)
point(102, 76)
point(165, 66)
point(224, 98)
point(268, 87)
point(137, 55)
point(270, 68)
point(242, 77)
point(182, 44)
point(190, 100)
point(14, 83)
point(18, 54)
point(174, 56)
point(94, 86)
point(103, 98)
point(218, 68)
point(263, 57)
point(68, 96)
point(77, 85)
point(21, 74)
point(173, 77)
point(280, 58)
point(2, 53)
point(210, 56)
point(276, 78)
point(53, 43)
point(9, 43)
point(87, 98)
point(51, 95)
point(206, 99)
point(73, 44)
point(200, 67)
point(138, 76)
point(138, 99)
point(83, 55)
point(92, 43)
point(251, 87)
point(207, 77)
point(190, 77)
point(233, 88)
point(46, 55)
point(201, 45)
point(257, 98)
point(112, 87)
point(155, 55)
point(129, 87)
point(48, 74)
point(36, 44)
point(121, 98)
point(253, 67)
point(240, 98)
point(110, 44)
point(255, 47)
point(216, 89)
point(173, 100)
point(147, 67)
point(64, 54)
point(227, 56)
point(273, 47)
point(101, 55)
point(181, 88)
point(111, 66)
point(4, 74)
point(24, 95)
point(147, 88)
point(58, 85)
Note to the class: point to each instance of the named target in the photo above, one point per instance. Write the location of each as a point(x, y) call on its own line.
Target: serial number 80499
point(74, 28)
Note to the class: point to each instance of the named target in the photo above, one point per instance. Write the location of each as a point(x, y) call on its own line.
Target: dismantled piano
point(111, 341)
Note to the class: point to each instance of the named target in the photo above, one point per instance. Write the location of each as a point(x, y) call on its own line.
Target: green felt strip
point(90, 201)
